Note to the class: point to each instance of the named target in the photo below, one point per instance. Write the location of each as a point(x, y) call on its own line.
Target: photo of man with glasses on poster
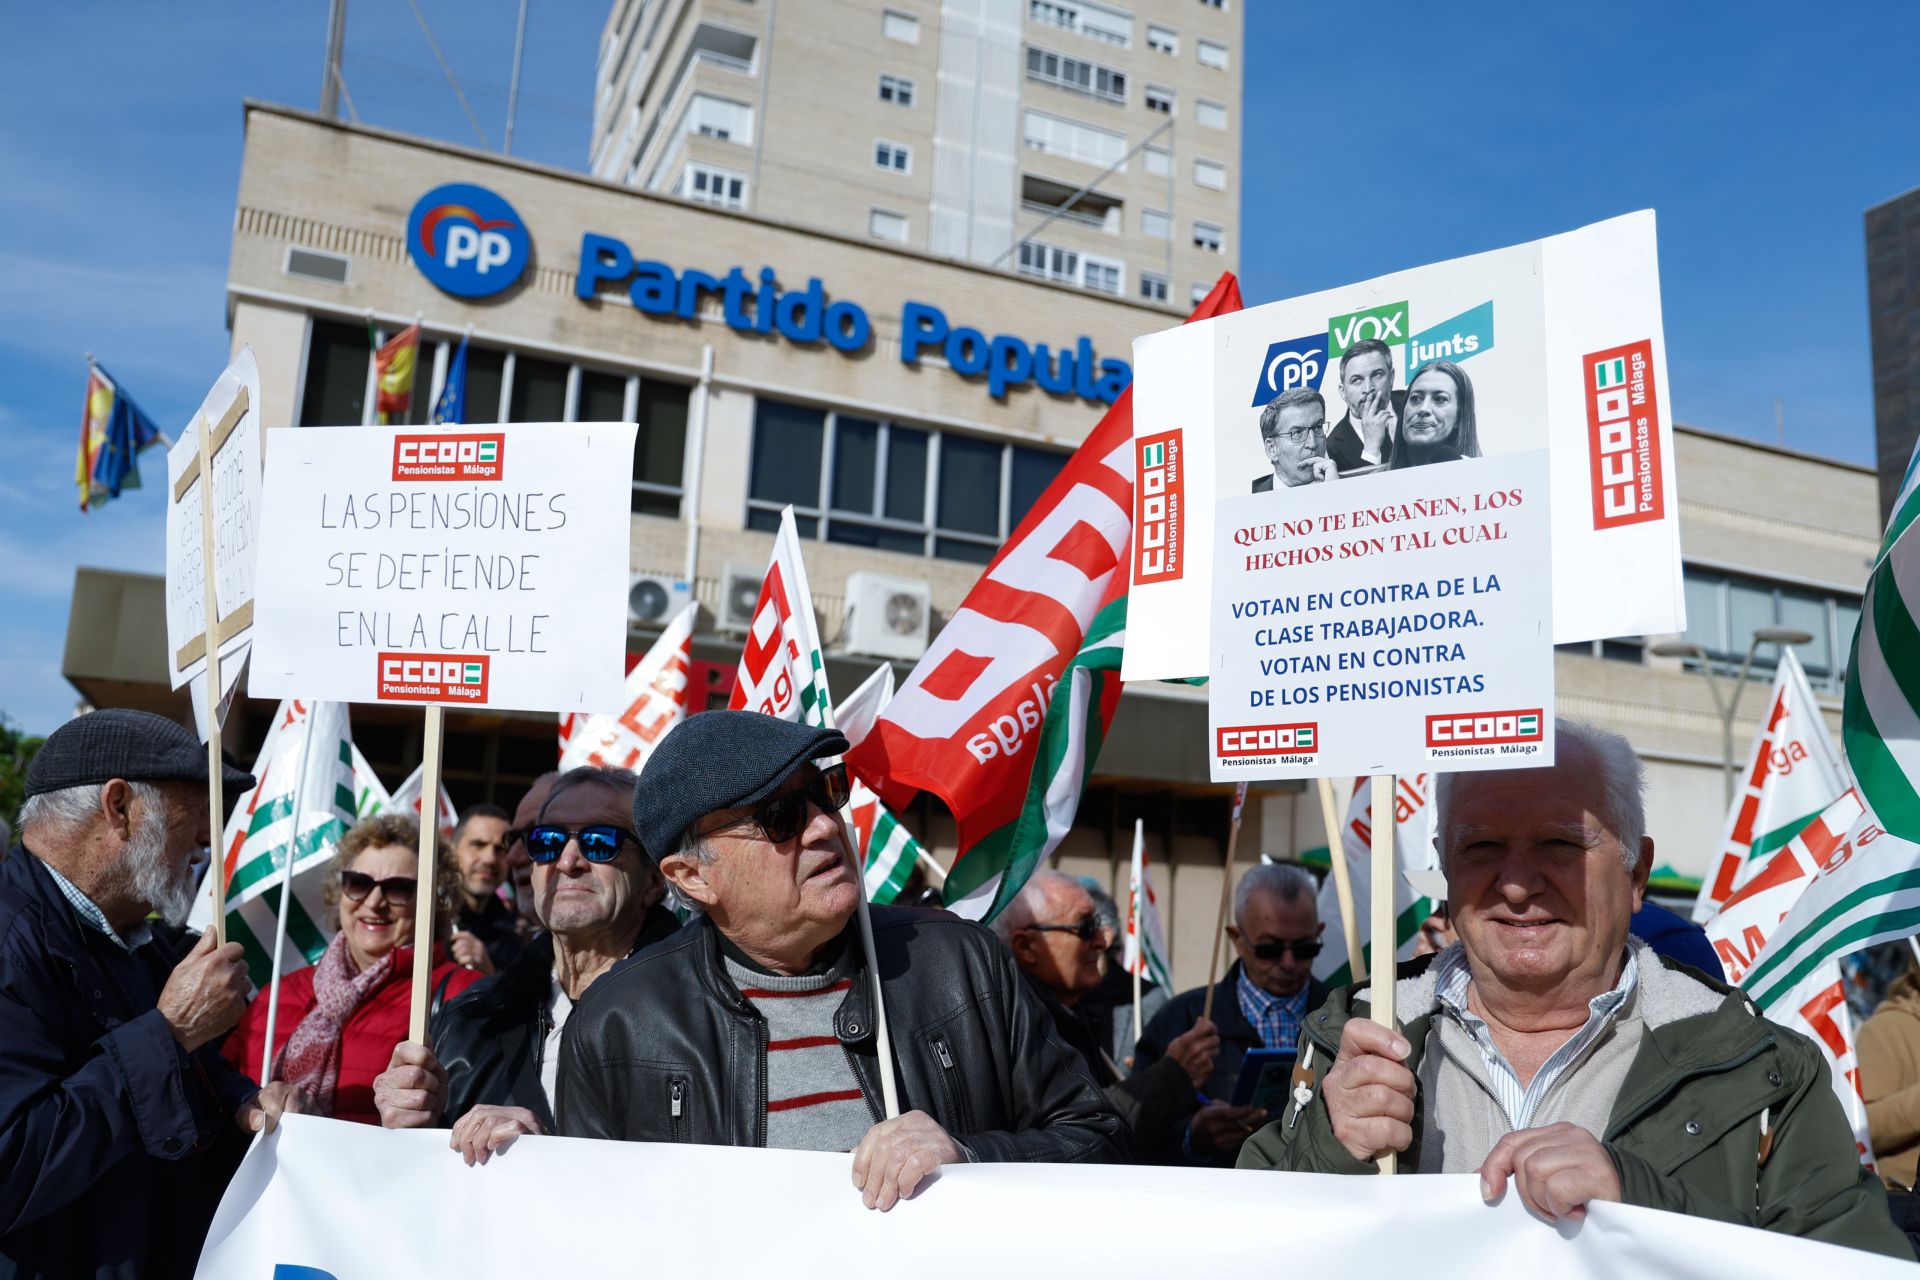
point(1293, 431)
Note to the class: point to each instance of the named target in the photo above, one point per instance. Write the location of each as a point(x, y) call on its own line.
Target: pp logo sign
point(1289, 365)
point(433, 677)
point(450, 456)
point(467, 240)
point(1386, 324)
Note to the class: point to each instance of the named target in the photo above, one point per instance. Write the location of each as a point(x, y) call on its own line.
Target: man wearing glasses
point(1293, 430)
point(754, 1026)
point(1260, 1004)
point(495, 1061)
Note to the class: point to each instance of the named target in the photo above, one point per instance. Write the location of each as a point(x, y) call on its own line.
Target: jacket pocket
point(961, 1115)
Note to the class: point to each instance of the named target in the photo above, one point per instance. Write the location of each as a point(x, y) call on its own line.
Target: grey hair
point(1617, 767)
point(72, 807)
point(1029, 903)
point(693, 848)
point(1286, 881)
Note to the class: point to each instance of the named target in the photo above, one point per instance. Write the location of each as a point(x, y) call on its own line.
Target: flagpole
point(216, 778)
point(1139, 939)
point(1342, 883)
point(1226, 896)
point(1386, 875)
point(427, 869)
point(286, 894)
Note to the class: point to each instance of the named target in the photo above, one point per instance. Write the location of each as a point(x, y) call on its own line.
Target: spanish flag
point(393, 375)
point(113, 432)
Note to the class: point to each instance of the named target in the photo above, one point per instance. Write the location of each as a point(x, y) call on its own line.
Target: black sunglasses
point(598, 843)
point(399, 890)
point(1087, 928)
point(785, 816)
point(1305, 949)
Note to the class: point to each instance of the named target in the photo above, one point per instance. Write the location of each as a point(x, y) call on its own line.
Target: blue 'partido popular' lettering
point(805, 316)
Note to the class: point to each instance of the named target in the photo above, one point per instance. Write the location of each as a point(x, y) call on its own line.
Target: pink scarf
point(312, 1056)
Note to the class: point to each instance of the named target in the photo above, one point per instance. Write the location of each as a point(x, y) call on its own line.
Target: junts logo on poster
point(467, 240)
point(432, 677)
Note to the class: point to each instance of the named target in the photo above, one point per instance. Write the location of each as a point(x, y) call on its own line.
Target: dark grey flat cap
point(118, 743)
point(719, 760)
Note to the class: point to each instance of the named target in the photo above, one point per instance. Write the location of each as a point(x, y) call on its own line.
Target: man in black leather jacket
point(495, 1057)
point(754, 1026)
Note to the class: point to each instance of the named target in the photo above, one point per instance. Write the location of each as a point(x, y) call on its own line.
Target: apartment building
point(1071, 140)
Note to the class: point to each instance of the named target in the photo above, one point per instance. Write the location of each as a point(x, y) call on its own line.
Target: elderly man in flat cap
point(119, 1123)
point(755, 1026)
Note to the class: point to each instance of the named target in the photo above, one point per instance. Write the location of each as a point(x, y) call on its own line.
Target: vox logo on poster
point(432, 677)
point(1297, 362)
point(440, 456)
point(1386, 324)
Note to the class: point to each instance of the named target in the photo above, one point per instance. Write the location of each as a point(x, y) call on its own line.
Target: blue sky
point(1376, 138)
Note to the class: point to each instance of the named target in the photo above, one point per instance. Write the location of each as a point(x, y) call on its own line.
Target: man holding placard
point(755, 1026)
point(119, 1123)
point(1549, 1048)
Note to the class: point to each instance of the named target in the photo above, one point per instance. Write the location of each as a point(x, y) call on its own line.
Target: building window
point(1210, 174)
point(1075, 141)
point(1084, 17)
point(867, 482)
point(1153, 288)
point(1724, 610)
point(1077, 74)
point(1163, 40)
point(884, 224)
point(539, 392)
point(1159, 99)
point(1159, 161)
point(893, 155)
point(1101, 275)
point(712, 185)
point(1211, 54)
point(1198, 294)
point(660, 451)
point(720, 118)
point(1221, 5)
point(1212, 115)
point(1209, 237)
point(1049, 262)
point(900, 26)
point(896, 90)
point(335, 393)
point(1156, 224)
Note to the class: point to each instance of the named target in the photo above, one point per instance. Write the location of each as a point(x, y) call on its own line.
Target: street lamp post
point(1729, 707)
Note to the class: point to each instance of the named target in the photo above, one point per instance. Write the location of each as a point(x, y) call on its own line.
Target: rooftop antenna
point(330, 74)
point(513, 85)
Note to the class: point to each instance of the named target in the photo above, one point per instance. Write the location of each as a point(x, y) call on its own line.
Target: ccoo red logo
point(432, 677)
point(450, 456)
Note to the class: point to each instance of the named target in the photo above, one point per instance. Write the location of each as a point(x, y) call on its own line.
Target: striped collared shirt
point(1276, 1019)
point(96, 919)
point(1452, 977)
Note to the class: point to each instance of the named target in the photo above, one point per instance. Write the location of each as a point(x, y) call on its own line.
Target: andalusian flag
point(113, 434)
point(310, 739)
point(782, 671)
point(406, 799)
point(1792, 773)
point(1145, 952)
point(394, 366)
point(656, 701)
point(1414, 847)
point(890, 852)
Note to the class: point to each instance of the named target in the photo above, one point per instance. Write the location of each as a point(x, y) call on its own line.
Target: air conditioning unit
point(888, 617)
point(655, 598)
point(739, 592)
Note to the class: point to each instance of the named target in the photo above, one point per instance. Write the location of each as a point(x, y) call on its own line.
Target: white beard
point(168, 891)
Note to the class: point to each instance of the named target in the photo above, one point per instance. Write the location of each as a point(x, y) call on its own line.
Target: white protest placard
point(1556, 345)
point(1395, 625)
point(232, 413)
point(466, 566)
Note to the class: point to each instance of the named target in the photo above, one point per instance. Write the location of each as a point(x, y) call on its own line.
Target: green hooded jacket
point(1684, 1130)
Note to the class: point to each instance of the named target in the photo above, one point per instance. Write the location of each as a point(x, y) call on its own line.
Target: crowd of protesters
point(1560, 1037)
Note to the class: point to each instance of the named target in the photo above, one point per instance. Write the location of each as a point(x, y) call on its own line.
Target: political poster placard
point(1551, 346)
point(466, 567)
point(1397, 626)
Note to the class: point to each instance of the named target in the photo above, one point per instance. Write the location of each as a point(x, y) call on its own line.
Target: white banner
point(1552, 345)
point(468, 567)
point(656, 701)
point(352, 1202)
point(1392, 625)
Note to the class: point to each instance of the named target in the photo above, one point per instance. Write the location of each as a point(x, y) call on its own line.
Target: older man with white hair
point(119, 1123)
point(1550, 1048)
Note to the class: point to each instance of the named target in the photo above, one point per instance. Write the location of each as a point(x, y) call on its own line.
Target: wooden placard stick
point(1226, 897)
point(429, 866)
point(1342, 882)
point(1385, 875)
point(216, 797)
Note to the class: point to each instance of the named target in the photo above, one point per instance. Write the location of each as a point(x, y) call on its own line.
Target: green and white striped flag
point(1880, 725)
point(262, 837)
point(782, 670)
point(1145, 951)
point(1413, 843)
point(890, 852)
